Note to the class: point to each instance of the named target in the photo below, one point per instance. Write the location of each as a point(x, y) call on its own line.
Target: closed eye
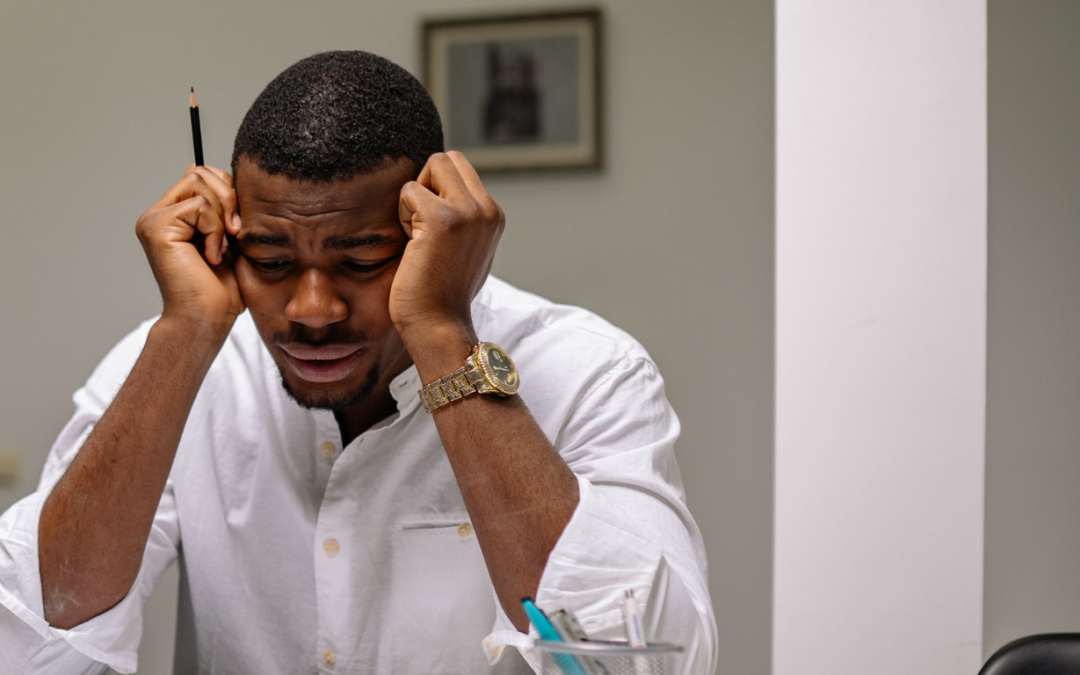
point(360, 268)
point(268, 265)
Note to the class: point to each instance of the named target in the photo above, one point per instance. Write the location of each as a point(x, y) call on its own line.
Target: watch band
point(469, 379)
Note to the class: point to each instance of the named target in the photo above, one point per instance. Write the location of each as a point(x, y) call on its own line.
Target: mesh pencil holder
point(608, 658)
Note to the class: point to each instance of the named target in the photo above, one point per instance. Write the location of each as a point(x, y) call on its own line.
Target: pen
point(540, 620)
point(635, 634)
point(575, 626)
point(196, 129)
point(547, 632)
point(565, 621)
point(568, 628)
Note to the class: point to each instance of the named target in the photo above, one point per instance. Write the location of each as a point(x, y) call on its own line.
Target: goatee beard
point(333, 401)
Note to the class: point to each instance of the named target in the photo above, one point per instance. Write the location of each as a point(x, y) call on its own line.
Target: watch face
point(500, 370)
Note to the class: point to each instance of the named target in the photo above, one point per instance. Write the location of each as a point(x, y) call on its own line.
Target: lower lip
point(325, 371)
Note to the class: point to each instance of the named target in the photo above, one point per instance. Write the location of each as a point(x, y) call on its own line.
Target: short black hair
point(338, 114)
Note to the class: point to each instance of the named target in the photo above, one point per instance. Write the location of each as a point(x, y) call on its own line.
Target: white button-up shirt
point(298, 555)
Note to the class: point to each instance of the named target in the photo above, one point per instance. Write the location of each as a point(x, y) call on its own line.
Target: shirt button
point(328, 449)
point(331, 546)
point(465, 530)
point(330, 657)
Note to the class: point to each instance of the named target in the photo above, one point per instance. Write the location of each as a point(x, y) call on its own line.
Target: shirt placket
point(332, 550)
point(336, 547)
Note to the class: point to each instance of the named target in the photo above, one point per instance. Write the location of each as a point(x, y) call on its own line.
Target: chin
point(332, 396)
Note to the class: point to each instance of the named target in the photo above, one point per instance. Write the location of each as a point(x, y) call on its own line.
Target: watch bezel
point(482, 350)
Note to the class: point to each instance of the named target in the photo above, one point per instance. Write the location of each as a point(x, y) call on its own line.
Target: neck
point(358, 418)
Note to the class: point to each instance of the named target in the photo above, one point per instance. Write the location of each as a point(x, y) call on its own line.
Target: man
point(270, 430)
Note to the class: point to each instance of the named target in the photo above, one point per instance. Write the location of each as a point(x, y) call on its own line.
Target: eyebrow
point(338, 244)
point(265, 240)
point(346, 243)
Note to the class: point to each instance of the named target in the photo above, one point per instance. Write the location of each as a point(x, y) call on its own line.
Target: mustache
point(332, 334)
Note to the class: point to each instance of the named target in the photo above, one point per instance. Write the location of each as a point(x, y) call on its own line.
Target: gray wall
point(673, 241)
point(1032, 583)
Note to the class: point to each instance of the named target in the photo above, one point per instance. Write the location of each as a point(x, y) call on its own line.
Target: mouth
point(322, 363)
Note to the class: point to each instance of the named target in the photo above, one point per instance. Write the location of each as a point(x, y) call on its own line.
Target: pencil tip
point(191, 99)
point(193, 90)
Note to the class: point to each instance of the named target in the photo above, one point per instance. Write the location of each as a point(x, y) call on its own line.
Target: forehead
point(276, 200)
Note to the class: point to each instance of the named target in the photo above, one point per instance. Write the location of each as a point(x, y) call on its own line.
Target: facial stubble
point(329, 400)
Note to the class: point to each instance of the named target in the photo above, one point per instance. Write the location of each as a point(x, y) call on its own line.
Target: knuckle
point(477, 213)
point(447, 215)
point(491, 210)
point(472, 212)
point(145, 224)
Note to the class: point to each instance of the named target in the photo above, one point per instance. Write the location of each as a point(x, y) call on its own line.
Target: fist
point(184, 237)
point(454, 227)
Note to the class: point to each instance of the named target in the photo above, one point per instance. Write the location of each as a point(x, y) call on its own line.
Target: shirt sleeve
point(631, 528)
point(28, 644)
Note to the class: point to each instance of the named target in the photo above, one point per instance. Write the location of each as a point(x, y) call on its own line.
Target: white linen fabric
point(300, 556)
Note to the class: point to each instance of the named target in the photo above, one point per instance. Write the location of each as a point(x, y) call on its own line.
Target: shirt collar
point(404, 387)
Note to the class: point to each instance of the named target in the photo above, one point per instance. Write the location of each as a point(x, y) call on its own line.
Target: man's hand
point(454, 227)
point(183, 235)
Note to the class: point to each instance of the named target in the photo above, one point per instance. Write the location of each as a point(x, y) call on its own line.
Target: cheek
point(370, 302)
point(263, 300)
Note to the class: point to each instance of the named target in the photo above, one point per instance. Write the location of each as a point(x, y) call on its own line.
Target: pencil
point(196, 130)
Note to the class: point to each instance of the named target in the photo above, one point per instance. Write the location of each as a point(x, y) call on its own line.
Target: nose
point(314, 301)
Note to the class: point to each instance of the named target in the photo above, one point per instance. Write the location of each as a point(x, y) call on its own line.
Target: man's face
point(315, 266)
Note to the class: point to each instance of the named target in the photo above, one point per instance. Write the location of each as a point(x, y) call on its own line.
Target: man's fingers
point(212, 219)
point(201, 184)
point(468, 174)
point(444, 178)
point(447, 190)
point(221, 184)
point(201, 216)
point(223, 175)
point(179, 191)
point(415, 197)
point(200, 180)
point(488, 208)
point(226, 193)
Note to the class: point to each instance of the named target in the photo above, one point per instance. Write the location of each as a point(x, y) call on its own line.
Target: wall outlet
point(10, 467)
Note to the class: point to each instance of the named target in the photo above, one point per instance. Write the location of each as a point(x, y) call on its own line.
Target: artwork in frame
point(518, 92)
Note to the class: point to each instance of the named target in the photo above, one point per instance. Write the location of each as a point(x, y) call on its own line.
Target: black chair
point(1051, 654)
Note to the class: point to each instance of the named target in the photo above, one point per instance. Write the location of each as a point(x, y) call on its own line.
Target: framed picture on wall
point(518, 92)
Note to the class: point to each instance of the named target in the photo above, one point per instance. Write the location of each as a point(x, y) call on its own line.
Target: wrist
point(440, 349)
point(196, 335)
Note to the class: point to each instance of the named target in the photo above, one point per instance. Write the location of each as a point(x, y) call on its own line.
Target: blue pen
point(547, 632)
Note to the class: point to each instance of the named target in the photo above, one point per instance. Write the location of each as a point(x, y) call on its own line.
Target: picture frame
point(518, 92)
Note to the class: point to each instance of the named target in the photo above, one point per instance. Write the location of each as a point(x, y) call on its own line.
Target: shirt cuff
point(495, 645)
point(110, 638)
point(596, 559)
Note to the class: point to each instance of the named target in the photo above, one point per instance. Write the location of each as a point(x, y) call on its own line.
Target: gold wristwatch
point(488, 370)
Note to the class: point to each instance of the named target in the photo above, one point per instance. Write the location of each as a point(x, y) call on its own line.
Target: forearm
point(519, 492)
point(95, 523)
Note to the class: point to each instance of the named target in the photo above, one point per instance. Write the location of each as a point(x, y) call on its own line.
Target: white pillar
point(880, 336)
